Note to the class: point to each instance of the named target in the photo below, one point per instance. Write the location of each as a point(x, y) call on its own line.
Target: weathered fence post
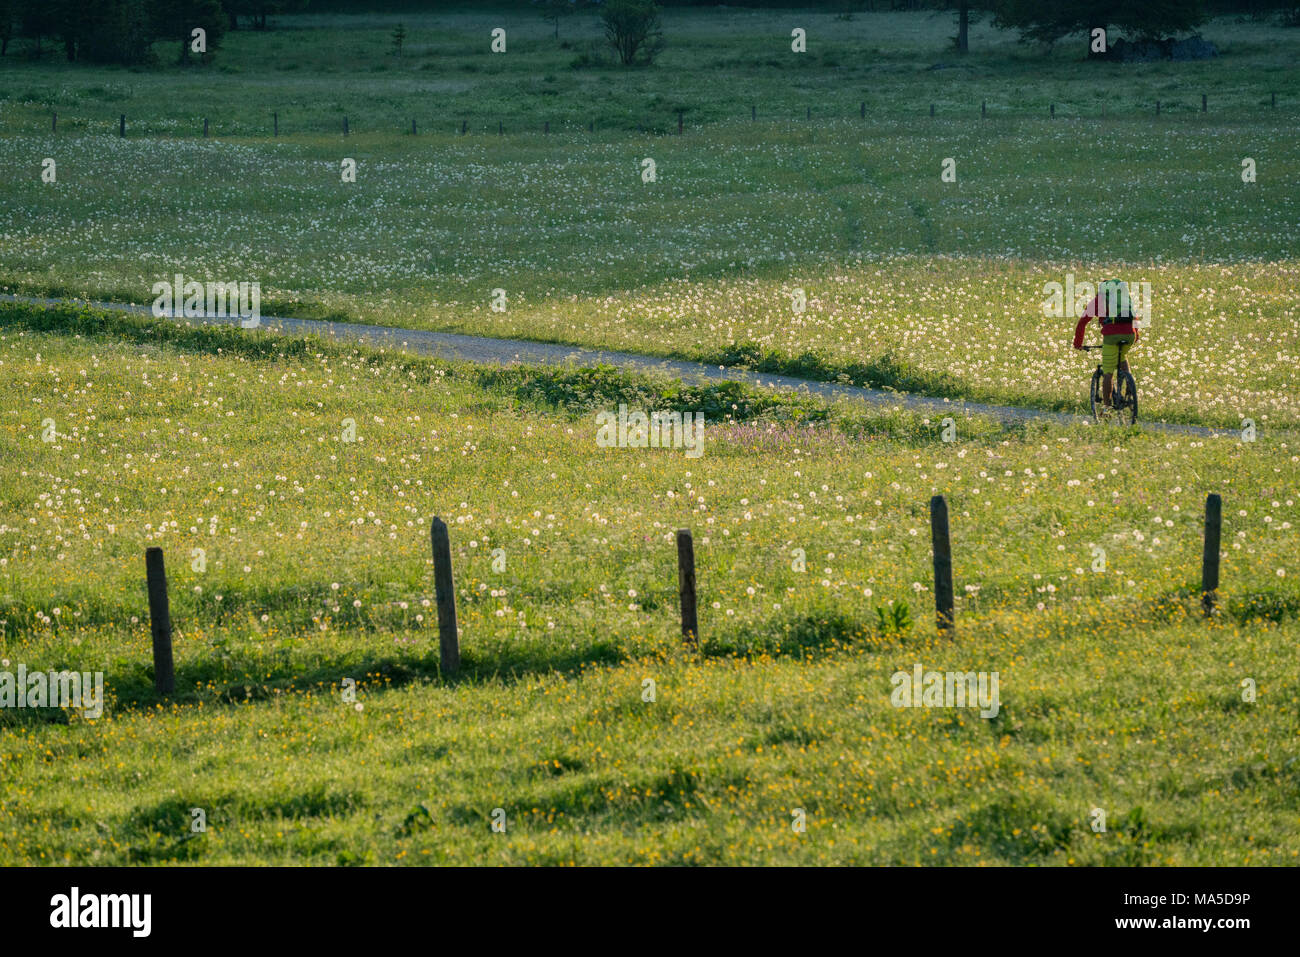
point(275, 118)
point(809, 114)
point(1157, 107)
point(121, 125)
point(445, 593)
point(160, 621)
point(501, 128)
point(1051, 111)
point(413, 127)
point(464, 127)
point(984, 110)
point(942, 564)
point(932, 109)
point(205, 127)
point(1274, 101)
point(1204, 103)
point(54, 124)
point(345, 126)
point(1210, 556)
point(686, 585)
point(862, 110)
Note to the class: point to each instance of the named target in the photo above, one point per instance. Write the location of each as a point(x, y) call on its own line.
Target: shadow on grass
point(222, 679)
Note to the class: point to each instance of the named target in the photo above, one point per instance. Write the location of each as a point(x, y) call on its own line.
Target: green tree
point(632, 28)
point(1049, 20)
point(7, 24)
point(257, 11)
point(555, 10)
point(175, 20)
point(117, 31)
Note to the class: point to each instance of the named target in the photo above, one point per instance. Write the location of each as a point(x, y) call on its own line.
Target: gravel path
point(484, 349)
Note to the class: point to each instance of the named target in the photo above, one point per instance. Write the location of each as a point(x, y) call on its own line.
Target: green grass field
point(299, 562)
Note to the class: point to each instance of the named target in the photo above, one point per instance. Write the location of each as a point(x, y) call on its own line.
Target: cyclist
point(1113, 310)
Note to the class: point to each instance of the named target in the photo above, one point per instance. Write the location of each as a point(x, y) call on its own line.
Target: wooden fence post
point(942, 564)
point(984, 109)
point(1210, 555)
point(445, 592)
point(1274, 101)
point(160, 621)
point(413, 127)
point(932, 109)
point(464, 127)
point(275, 118)
point(809, 114)
point(345, 126)
point(862, 110)
point(1051, 111)
point(54, 124)
point(686, 585)
point(1204, 103)
point(121, 125)
point(205, 127)
point(1157, 107)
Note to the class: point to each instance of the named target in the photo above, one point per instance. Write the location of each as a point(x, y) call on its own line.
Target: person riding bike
point(1113, 310)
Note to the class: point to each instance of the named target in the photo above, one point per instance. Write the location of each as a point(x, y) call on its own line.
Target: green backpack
point(1115, 303)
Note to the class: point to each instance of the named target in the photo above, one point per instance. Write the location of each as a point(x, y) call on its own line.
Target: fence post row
point(686, 585)
point(590, 126)
point(160, 621)
point(943, 610)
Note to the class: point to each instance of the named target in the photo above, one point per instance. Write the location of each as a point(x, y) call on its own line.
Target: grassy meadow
point(911, 282)
point(299, 561)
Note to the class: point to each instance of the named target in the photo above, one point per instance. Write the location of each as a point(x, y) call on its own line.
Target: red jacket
point(1097, 310)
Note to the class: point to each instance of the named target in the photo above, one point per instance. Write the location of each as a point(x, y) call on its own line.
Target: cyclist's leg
point(1125, 344)
point(1109, 363)
point(1129, 342)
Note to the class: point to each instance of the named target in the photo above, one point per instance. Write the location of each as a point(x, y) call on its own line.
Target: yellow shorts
point(1114, 349)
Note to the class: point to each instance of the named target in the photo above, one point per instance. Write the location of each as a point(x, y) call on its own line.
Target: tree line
point(125, 31)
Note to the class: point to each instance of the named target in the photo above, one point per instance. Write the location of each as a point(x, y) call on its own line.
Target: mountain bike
point(1124, 395)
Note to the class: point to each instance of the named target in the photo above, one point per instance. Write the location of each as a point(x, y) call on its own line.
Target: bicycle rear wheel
point(1096, 403)
point(1126, 398)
